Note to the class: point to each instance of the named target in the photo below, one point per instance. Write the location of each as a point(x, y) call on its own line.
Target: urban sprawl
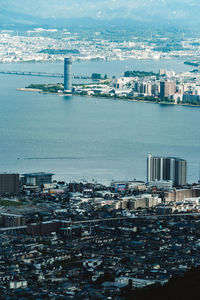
point(167, 86)
point(164, 87)
point(40, 45)
point(85, 240)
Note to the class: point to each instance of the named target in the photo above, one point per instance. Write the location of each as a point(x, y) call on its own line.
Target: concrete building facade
point(39, 178)
point(167, 168)
point(67, 75)
point(167, 88)
point(9, 184)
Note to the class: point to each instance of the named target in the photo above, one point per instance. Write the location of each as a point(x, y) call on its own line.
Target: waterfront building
point(67, 75)
point(38, 179)
point(190, 98)
point(9, 184)
point(167, 168)
point(167, 88)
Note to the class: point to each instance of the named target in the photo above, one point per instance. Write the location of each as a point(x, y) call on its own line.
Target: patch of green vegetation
point(60, 51)
point(10, 203)
point(83, 93)
point(191, 63)
point(138, 74)
point(96, 76)
point(36, 86)
point(49, 88)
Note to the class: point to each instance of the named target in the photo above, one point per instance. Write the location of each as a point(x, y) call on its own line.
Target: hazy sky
point(171, 9)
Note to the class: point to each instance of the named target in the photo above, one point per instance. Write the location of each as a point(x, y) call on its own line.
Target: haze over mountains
point(175, 12)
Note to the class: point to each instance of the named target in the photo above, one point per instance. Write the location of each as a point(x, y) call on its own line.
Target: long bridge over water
point(42, 74)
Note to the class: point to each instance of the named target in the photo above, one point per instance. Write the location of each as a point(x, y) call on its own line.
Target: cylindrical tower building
point(67, 75)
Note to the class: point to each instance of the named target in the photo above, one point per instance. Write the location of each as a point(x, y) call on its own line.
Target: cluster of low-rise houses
point(82, 240)
point(34, 45)
point(50, 45)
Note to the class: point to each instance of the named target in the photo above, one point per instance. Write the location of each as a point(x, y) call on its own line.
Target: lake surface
point(111, 68)
point(89, 138)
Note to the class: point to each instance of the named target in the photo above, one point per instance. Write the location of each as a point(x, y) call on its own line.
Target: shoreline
point(80, 60)
point(106, 97)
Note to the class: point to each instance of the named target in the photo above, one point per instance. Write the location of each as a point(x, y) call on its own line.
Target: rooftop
point(38, 174)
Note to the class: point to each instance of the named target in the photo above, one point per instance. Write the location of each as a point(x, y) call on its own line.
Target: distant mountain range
point(61, 12)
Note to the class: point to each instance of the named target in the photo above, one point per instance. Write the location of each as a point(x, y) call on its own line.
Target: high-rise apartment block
point(9, 184)
point(167, 168)
point(67, 75)
point(11, 220)
point(167, 88)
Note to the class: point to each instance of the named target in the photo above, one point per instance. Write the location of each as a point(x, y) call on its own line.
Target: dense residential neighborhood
point(85, 240)
point(40, 45)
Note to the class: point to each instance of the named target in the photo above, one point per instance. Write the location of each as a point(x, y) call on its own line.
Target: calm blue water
point(110, 68)
point(79, 137)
